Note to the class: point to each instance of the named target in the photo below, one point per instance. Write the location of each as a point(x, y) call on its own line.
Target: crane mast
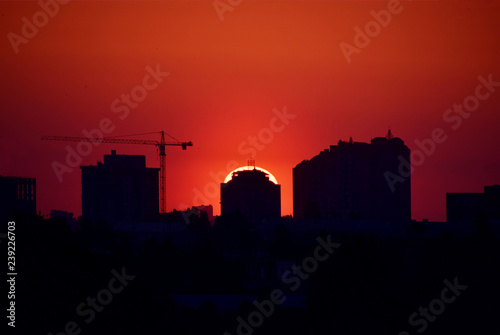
point(162, 172)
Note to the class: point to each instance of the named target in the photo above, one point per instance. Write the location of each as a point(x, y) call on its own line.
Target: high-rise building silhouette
point(122, 189)
point(348, 181)
point(251, 193)
point(17, 194)
point(468, 207)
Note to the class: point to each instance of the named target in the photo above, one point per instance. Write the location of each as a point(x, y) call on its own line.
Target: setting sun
point(248, 167)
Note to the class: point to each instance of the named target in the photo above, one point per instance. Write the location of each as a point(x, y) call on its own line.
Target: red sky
point(226, 77)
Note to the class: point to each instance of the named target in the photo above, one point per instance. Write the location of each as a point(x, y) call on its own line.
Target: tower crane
point(159, 144)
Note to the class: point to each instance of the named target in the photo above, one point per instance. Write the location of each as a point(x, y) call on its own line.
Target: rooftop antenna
point(251, 163)
point(350, 140)
point(389, 134)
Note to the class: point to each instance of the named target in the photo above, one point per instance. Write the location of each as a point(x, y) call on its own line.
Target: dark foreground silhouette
point(369, 285)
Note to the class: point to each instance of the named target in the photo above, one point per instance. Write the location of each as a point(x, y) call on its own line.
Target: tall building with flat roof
point(348, 181)
point(251, 193)
point(120, 189)
point(467, 207)
point(17, 194)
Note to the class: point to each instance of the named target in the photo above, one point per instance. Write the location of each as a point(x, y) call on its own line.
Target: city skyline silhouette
point(232, 167)
point(351, 180)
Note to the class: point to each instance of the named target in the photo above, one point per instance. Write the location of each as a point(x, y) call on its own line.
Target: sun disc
point(246, 168)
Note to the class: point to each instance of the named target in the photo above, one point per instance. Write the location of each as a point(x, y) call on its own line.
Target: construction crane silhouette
point(161, 144)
